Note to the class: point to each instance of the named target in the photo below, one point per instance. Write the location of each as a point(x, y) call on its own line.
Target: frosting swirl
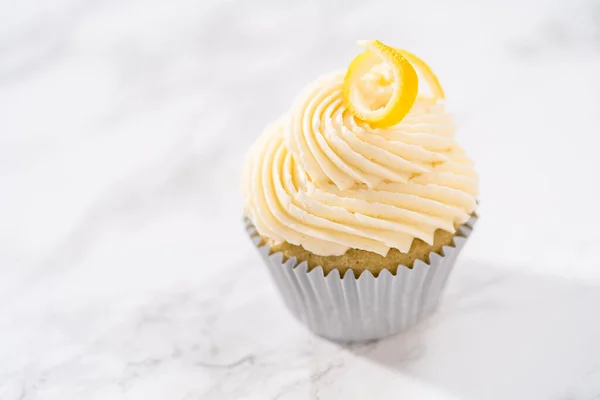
point(324, 180)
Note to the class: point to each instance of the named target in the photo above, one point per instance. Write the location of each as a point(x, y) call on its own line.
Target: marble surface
point(125, 272)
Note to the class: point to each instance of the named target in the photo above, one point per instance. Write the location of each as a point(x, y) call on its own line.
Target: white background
point(125, 272)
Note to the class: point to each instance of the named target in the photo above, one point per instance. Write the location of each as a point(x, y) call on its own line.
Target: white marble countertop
point(125, 272)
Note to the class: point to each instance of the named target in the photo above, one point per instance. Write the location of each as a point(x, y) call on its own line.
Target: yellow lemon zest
point(405, 85)
point(426, 73)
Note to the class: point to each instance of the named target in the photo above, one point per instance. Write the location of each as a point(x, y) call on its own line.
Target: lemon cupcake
point(359, 199)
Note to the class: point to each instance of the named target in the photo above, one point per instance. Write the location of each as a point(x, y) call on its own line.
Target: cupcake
point(359, 199)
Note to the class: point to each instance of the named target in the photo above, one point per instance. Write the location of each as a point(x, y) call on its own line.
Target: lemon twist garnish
point(425, 72)
point(405, 85)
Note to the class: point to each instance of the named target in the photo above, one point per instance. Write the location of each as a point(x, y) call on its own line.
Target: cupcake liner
point(349, 309)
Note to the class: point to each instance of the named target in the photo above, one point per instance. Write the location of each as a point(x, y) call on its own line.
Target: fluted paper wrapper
point(350, 309)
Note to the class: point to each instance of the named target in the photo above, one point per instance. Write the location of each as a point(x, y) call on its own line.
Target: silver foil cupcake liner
point(350, 309)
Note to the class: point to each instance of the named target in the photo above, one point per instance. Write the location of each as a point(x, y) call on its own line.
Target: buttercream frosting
point(322, 179)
